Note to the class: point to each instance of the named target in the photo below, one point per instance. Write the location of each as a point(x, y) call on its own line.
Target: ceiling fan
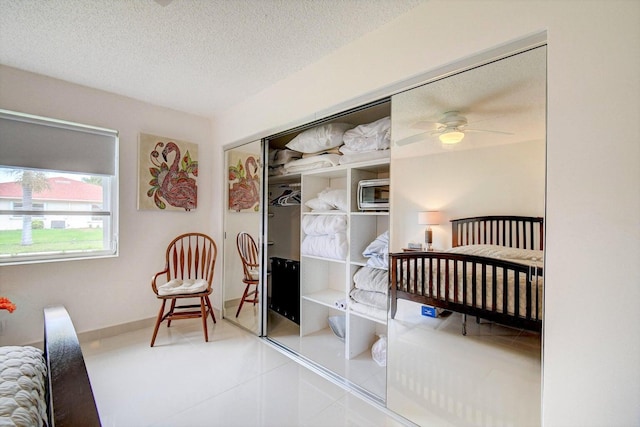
point(450, 130)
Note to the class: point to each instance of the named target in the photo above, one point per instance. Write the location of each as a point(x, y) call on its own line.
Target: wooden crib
point(494, 271)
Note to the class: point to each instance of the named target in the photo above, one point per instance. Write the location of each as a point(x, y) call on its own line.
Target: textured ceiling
point(508, 95)
point(194, 56)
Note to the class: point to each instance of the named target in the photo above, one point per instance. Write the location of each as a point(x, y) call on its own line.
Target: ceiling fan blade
point(411, 139)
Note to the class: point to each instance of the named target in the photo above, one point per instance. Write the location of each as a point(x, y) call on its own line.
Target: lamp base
point(428, 239)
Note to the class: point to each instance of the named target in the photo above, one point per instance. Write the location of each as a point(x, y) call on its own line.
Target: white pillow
point(372, 136)
point(335, 197)
point(284, 156)
point(319, 138)
point(318, 205)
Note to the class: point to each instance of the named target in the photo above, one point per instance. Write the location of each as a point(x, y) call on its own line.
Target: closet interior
point(326, 255)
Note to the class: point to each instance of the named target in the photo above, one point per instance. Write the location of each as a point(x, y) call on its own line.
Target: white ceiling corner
point(199, 57)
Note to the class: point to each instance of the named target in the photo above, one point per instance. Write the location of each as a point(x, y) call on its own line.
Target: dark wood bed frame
point(434, 290)
point(70, 397)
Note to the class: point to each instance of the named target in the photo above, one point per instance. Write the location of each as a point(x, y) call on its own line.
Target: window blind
point(33, 142)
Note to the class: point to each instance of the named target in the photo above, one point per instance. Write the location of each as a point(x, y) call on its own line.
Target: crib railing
point(493, 289)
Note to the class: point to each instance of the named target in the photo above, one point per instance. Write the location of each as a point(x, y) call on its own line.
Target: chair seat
point(186, 286)
point(254, 273)
point(194, 295)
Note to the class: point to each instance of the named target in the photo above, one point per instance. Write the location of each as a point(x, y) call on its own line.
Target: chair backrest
point(248, 252)
point(191, 256)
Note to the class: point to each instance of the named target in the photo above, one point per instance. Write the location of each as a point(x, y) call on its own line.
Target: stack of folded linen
point(367, 142)
point(369, 294)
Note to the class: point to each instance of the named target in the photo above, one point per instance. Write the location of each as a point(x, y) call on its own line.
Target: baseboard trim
point(232, 303)
point(110, 331)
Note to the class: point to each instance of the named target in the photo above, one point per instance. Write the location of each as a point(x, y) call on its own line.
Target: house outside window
point(17, 206)
point(58, 190)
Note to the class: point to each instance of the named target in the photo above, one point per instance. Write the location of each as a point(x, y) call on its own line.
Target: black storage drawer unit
point(285, 288)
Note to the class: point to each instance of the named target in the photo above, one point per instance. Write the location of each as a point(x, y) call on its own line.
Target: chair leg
point(244, 297)
point(158, 321)
point(173, 306)
point(213, 315)
point(255, 297)
point(203, 313)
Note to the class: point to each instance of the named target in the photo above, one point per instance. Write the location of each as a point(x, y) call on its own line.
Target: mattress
point(23, 376)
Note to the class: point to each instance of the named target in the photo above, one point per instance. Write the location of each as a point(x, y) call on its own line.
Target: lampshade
point(429, 218)
point(452, 137)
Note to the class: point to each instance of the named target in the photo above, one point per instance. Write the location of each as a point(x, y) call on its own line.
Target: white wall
point(498, 180)
point(104, 292)
point(591, 339)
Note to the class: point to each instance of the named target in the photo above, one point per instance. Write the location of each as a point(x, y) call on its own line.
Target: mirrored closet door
point(468, 168)
point(243, 275)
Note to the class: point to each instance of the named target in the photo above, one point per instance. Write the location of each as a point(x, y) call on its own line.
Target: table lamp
point(429, 218)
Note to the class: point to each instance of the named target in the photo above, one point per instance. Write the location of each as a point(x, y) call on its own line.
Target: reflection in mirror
point(242, 222)
point(465, 320)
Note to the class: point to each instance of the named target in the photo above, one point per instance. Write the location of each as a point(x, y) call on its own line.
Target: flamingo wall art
point(244, 182)
point(168, 173)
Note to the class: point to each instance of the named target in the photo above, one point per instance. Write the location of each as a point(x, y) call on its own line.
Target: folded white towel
point(368, 310)
point(179, 286)
point(371, 279)
point(373, 299)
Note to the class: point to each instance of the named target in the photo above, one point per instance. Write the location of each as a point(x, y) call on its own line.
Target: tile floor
point(438, 377)
point(435, 377)
point(327, 350)
point(236, 379)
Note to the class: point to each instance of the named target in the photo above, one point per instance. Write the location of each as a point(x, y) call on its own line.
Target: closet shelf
point(359, 262)
point(326, 297)
point(337, 261)
point(336, 212)
point(370, 213)
point(364, 316)
point(378, 165)
point(284, 179)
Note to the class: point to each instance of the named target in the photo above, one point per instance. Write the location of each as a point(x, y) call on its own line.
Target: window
point(17, 206)
point(58, 190)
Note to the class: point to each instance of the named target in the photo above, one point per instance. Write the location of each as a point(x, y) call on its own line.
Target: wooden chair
point(188, 273)
point(248, 252)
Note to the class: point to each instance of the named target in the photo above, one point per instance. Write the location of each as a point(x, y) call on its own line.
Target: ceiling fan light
point(452, 137)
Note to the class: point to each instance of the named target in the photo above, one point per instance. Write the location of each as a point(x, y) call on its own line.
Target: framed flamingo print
point(244, 181)
point(167, 174)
